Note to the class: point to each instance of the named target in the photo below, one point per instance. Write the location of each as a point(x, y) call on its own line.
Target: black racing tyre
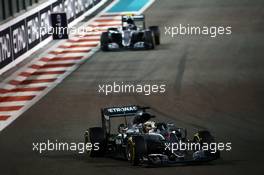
point(117, 38)
point(205, 137)
point(156, 32)
point(149, 40)
point(136, 149)
point(96, 135)
point(134, 39)
point(113, 29)
point(104, 41)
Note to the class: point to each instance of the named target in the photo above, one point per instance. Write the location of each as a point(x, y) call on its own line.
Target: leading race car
point(140, 140)
point(133, 34)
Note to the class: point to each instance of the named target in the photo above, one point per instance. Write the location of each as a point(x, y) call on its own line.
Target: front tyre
point(205, 137)
point(156, 32)
point(136, 149)
point(149, 40)
point(104, 41)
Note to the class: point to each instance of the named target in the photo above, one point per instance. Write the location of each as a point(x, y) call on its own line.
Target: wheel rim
point(130, 152)
point(86, 140)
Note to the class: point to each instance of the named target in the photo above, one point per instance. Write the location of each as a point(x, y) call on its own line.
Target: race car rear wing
point(122, 111)
point(134, 17)
point(139, 20)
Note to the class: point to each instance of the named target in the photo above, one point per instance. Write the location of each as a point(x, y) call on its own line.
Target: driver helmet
point(130, 23)
point(149, 126)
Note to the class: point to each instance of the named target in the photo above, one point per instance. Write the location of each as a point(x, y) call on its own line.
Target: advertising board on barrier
point(17, 38)
point(59, 24)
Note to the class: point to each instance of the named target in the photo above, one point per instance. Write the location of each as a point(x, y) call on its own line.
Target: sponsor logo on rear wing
point(120, 111)
point(123, 111)
point(134, 17)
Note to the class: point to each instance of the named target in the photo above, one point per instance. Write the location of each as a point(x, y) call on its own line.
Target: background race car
point(133, 34)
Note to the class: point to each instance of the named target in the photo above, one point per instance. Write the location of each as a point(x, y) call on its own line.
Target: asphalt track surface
point(212, 83)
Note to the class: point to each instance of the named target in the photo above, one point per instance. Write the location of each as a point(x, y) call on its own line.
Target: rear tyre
point(96, 135)
point(156, 32)
point(149, 40)
point(104, 41)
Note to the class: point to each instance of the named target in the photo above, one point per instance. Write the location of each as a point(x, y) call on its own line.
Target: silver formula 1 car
point(142, 141)
point(133, 34)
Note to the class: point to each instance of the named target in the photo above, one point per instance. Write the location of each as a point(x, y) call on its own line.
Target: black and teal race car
point(137, 138)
